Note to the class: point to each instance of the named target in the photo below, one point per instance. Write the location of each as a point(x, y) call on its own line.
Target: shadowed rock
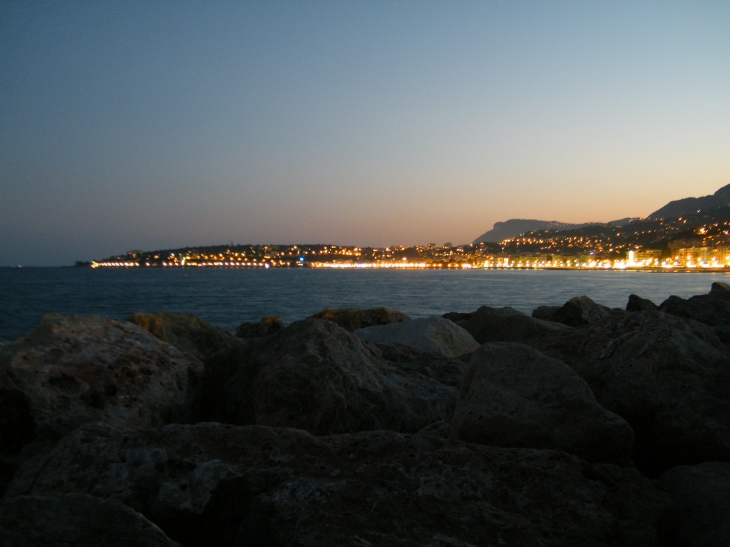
point(444, 369)
point(711, 309)
point(187, 333)
point(506, 325)
point(434, 334)
point(211, 484)
point(74, 370)
point(668, 377)
point(700, 515)
point(61, 520)
point(513, 395)
point(457, 317)
point(352, 319)
point(546, 313)
point(636, 303)
point(580, 311)
point(315, 375)
point(268, 325)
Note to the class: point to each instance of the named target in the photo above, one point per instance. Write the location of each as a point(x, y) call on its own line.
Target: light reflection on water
point(227, 297)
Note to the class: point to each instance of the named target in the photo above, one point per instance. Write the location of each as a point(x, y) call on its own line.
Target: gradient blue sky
point(146, 125)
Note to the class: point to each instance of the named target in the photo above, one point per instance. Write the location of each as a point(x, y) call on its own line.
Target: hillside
point(688, 206)
point(516, 226)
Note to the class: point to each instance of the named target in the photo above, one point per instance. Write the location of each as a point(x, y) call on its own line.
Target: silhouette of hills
point(687, 206)
point(674, 209)
point(516, 226)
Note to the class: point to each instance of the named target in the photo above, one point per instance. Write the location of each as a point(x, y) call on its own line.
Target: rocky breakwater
point(73, 370)
point(483, 428)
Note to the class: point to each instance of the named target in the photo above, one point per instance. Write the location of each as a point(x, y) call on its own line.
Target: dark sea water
point(227, 297)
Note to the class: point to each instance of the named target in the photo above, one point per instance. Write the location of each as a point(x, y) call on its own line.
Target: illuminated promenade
point(501, 264)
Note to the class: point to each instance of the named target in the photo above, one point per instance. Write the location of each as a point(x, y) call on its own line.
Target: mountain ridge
point(517, 226)
point(680, 207)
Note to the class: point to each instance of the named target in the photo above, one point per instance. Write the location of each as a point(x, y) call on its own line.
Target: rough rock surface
point(211, 484)
point(315, 375)
point(426, 334)
point(62, 520)
point(74, 370)
point(506, 325)
point(711, 309)
point(457, 317)
point(268, 325)
point(580, 311)
point(515, 396)
point(354, 318)
point(187, 333)
point(408, 360)
point(668, 377)
point(700, 515)
point(546, 313)
point(636, 303)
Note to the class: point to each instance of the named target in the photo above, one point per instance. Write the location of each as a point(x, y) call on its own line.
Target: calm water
point(226, 297)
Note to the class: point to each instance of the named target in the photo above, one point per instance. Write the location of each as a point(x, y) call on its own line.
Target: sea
point(228, 297)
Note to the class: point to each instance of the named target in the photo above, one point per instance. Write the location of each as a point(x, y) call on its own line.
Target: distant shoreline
point(722, 270)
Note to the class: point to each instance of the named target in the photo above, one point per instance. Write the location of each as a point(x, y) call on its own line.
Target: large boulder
point(506, 325)
point(211, 484)
point(546, 313)
point(407, 360)
point(354, 318)
point(636, 303)
point(668, 377)
point(434, 334)
point(62, 520)
point(711, 309)
point(74, 370)
point(513, 395)
point(187, 333)
point(268, 325)
point(315, 375)
point(576, 312)
point(700, 514)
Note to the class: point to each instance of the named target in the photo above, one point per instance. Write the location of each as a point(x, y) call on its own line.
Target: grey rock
point(61, 520)
point(457, 317)
point(315, 375)
point(712, 309)
point(700, 515)
point(74, 370)
point(409, 360)
point(507, 325)
point(636, 303)
point(352, 319)
point(580, 311)
point(268, 325)
point(188, 333)
point(211, 484)
point(668, 377)
point(546, 313)
point(513, 395)
point(434, 334)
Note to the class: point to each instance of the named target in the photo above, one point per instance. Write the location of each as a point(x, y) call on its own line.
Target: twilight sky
point(148, 125)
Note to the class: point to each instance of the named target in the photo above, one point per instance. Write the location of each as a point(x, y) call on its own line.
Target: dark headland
point(580, 425)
